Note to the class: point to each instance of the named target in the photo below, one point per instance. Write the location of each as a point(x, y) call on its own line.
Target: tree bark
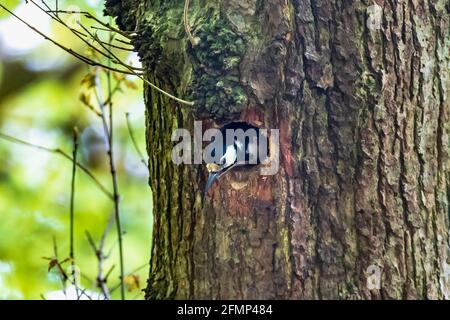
point(363, 112)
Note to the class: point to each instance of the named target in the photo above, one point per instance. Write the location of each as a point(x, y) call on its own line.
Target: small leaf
point(53, 263)
point(88, 80)
point(131, 85)
point(91, 52)
point(132, 282)
point(85, 98)
point(65, 260)
point(118, 76)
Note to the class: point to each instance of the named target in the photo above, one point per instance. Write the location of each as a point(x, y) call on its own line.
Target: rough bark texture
point(365, 170)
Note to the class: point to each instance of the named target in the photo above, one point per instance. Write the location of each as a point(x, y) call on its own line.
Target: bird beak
point(211, 179)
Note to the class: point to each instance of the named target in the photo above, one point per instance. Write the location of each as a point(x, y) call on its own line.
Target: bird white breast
point(229, 157)
point(239, 144)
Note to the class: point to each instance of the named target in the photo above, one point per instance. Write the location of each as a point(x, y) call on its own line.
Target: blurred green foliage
point(39, 103)
point(8, 4)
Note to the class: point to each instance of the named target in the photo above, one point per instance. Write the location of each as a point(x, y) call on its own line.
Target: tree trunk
point(360, 93)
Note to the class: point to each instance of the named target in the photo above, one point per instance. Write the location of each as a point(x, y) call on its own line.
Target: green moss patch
point(215, 86)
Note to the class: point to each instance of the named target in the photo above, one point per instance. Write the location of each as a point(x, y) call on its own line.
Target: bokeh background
point(39, 103)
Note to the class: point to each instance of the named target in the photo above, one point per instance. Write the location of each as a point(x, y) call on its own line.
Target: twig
point(110, 94)
point(94, 63)
point(120, 48)
point(114, 179)
point(101, 257)
point(124, 42)
point(101, 280)
point(63, 154)
point(91, 242)
point(113, 246)
point(108, 273)
point(68, 50)
point(104, 29)
point(117, 59)
point(85, 277)
point(77, 33)
point(72, 205)
point(55, 254)
point(88, 15)
point(72, 190)
point(186, 23)
point(133, 139)
point(118, 40)
point(113, 91)
point(105, 234)
point(64, 277)
point(91, 108)
point(110, 55)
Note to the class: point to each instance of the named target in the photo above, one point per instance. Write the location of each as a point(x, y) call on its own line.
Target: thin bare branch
point(68, 50)
point(72, 204)
point(91, 242)
point(77, 33)
point(91, 108)
point(187, 28)
point(131, 48)
point(65, 277)
point(85, 277)
point(112, 167)
point(92, 62)
point(112, 247)
point(113, 91)
point(125, 34)
point(110, 94)
point(108, 273)
point(124, 42)
point(101, 280)
point(117, 59)
point(72, 191)
point(55, 254)
point(110, 55)
point(120, 48)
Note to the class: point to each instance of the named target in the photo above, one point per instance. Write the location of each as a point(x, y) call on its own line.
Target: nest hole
point(255, 140)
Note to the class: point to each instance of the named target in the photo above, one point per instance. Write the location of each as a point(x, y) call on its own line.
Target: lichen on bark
point(216, 88)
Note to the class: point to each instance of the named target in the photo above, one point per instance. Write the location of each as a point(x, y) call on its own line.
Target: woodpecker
point(235, 153)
